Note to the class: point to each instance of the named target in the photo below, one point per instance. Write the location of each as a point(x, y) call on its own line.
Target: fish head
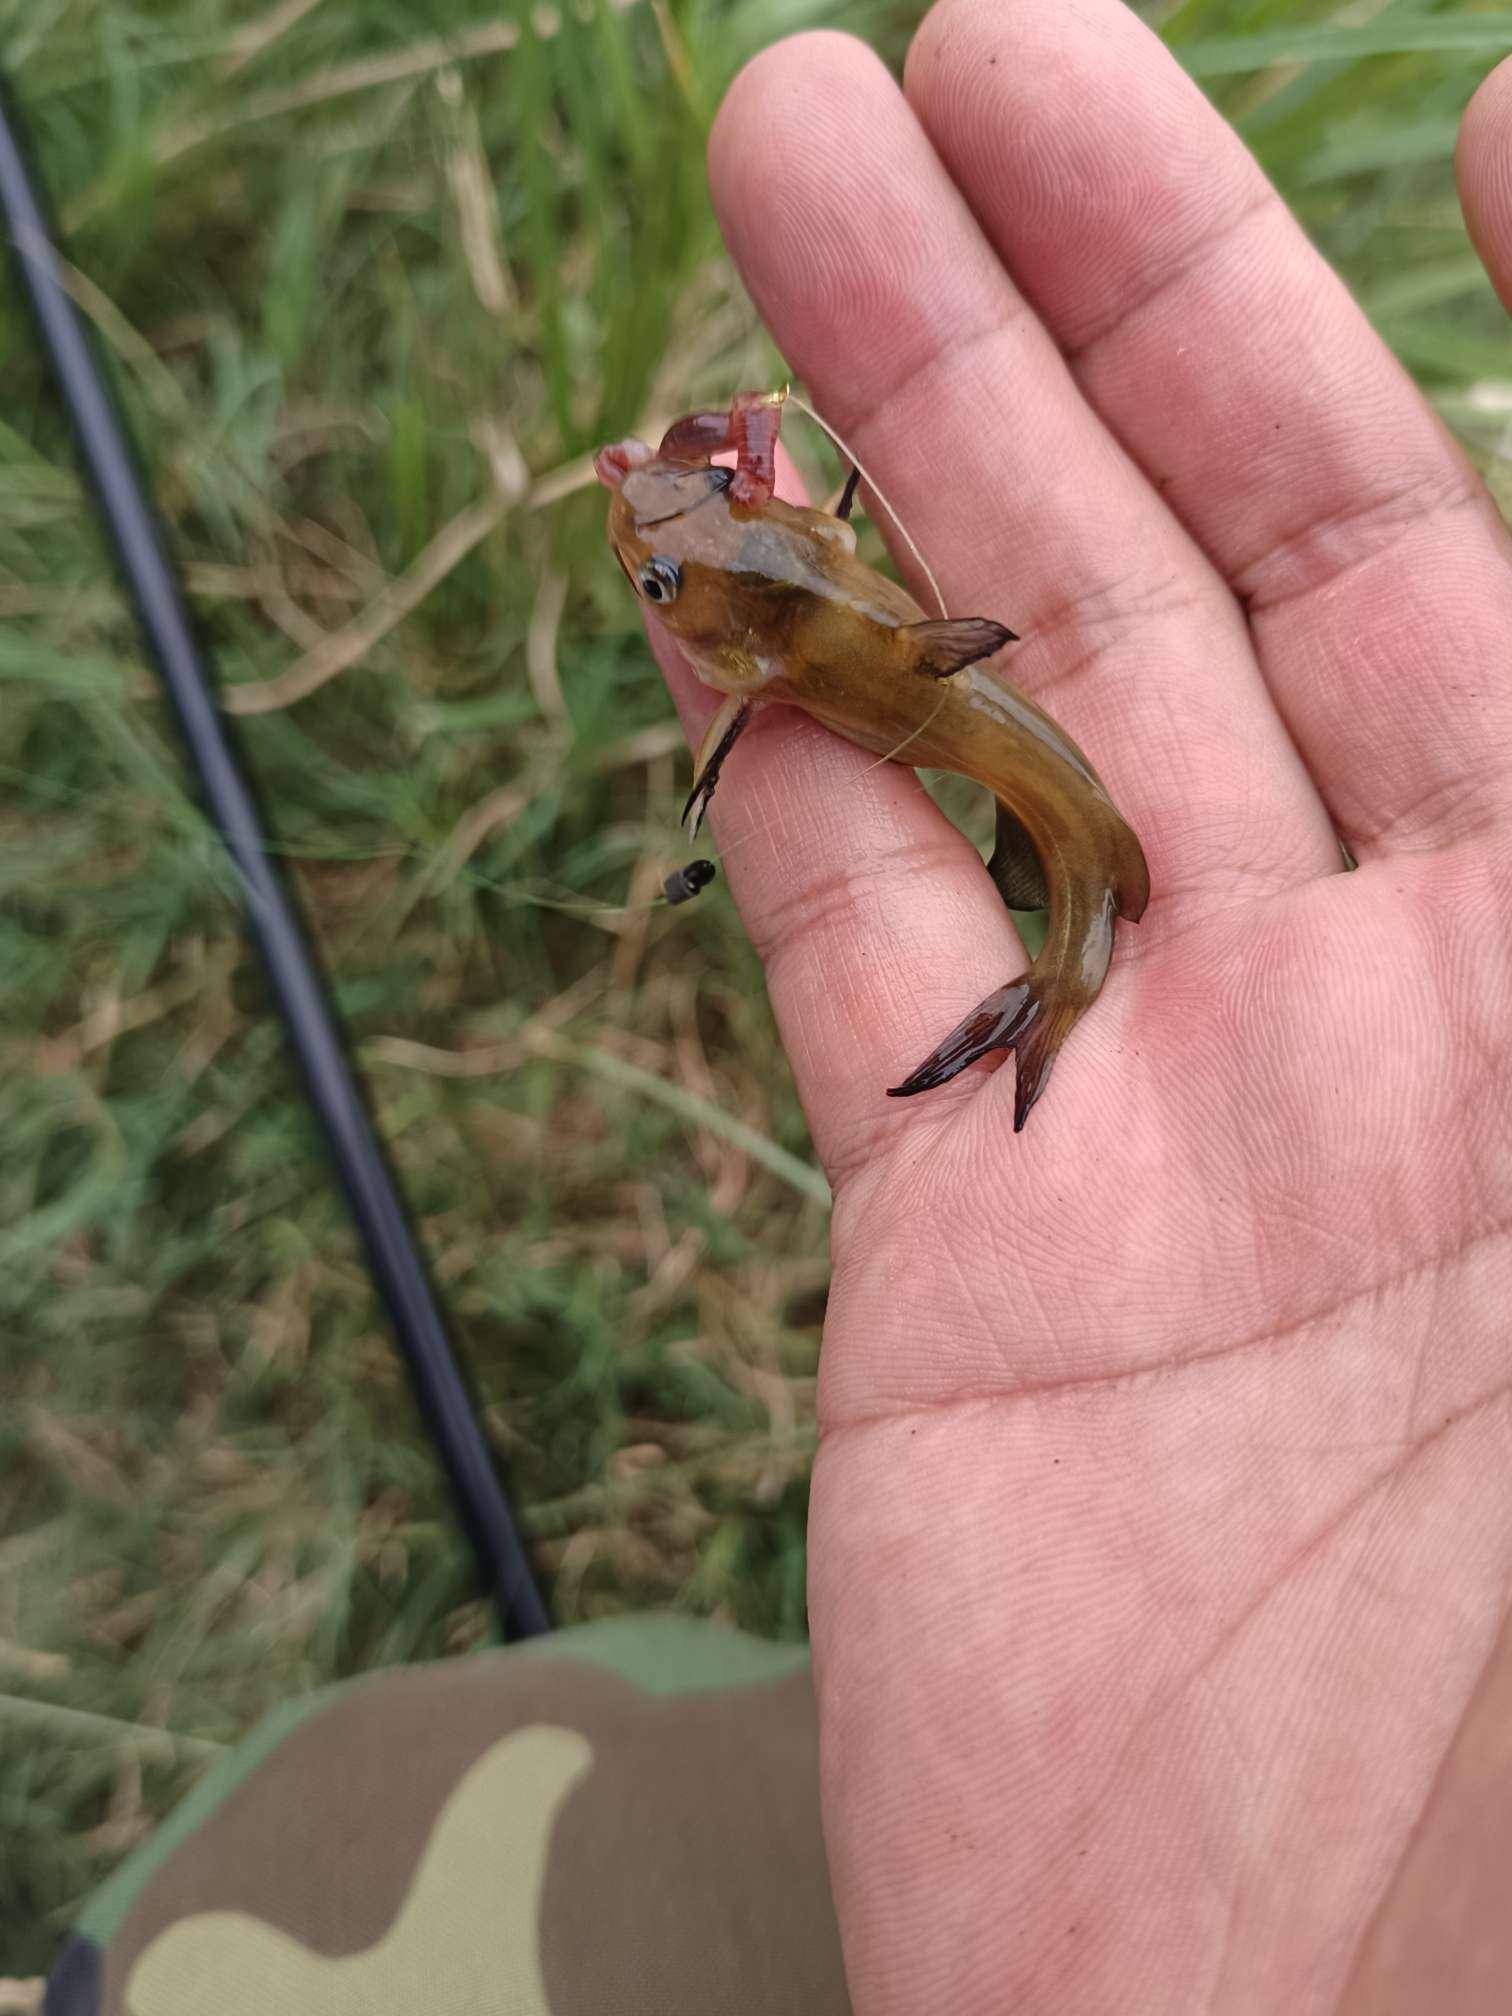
point(724, 578)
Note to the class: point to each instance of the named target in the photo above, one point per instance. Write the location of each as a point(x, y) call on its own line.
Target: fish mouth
point(613, 463)
point(716, 482)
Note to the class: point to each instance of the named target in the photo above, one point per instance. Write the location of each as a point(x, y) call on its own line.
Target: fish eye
point(660, 580)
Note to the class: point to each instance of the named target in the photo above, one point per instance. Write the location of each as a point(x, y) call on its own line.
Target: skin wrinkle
point(970, 1292)
point(1124, 599)
point(1485, 1039)
point(850, 1152)
point(1456, 796)
point(1159, 1605)
point(1050, 71)
point(896, 292)
point(840, 894)
point(1179, 901)
point(1165, 1698)
point(858, 1156)
point(928, 1137)
point(1477, 882)
point(1172, 921)
point(843, 905)
point(1387, 1480)
point(1392, 1482)
point(1240, 887)
point(1483, 161)
point(1415, 1833)
point(1400, 511)
point(1092, 654)
point(1169, 914)
point(1145, 1375)
point(1078, 350)
point(855, 1155)
point(1233, 1887)
point(1080, 1832)
point(944, 356)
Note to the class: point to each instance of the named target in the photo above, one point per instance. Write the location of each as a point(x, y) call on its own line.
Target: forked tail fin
point(1023, 1017)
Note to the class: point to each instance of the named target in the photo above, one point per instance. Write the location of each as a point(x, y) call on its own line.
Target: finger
point(874, 918)
point(883, 294)
point(1233, 365)
point(1483, 161)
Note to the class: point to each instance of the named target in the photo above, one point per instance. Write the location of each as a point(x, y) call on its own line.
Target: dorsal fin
point(949, 642)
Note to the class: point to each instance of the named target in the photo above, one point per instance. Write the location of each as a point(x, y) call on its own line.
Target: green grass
point(367, 309)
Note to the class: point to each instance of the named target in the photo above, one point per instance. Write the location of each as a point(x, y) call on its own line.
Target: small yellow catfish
point(769, 602)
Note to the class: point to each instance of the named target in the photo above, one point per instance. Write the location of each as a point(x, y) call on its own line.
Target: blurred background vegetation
point(372, 277)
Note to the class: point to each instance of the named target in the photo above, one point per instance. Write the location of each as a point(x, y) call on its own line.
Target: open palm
point(1162, 1524)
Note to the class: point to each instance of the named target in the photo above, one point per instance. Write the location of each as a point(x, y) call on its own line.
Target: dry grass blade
point(802, 1176)
point(86, 1727)
point(540, 1041)
point(499, 808)
point(674, 49)
point(541, 646)
point(486, 1061)
point(647, 745)
point(346, 647)
point(344, 80)
point(32, 1664)
point(128, 343)
point(114, 1017)
point(258, 36)
point(418, 59)
point(477, 205)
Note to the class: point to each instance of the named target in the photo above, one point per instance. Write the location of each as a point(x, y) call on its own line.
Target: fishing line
point(681, 886)
point(876, 490)
point(770, 825)
point(912, 736)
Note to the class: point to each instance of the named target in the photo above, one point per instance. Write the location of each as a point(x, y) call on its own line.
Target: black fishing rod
point(298, 992)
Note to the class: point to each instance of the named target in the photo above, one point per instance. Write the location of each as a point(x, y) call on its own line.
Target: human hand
point(1162, 1522)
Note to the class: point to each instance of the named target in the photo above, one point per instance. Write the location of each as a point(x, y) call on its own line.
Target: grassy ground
point(369, 298)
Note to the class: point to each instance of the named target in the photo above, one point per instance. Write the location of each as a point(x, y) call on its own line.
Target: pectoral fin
point(719, 739)
point(945, 644)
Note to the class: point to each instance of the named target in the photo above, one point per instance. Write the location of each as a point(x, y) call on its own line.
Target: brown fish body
point(770, 603)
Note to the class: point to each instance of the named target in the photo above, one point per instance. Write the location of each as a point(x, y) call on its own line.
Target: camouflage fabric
point(622, 1816)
